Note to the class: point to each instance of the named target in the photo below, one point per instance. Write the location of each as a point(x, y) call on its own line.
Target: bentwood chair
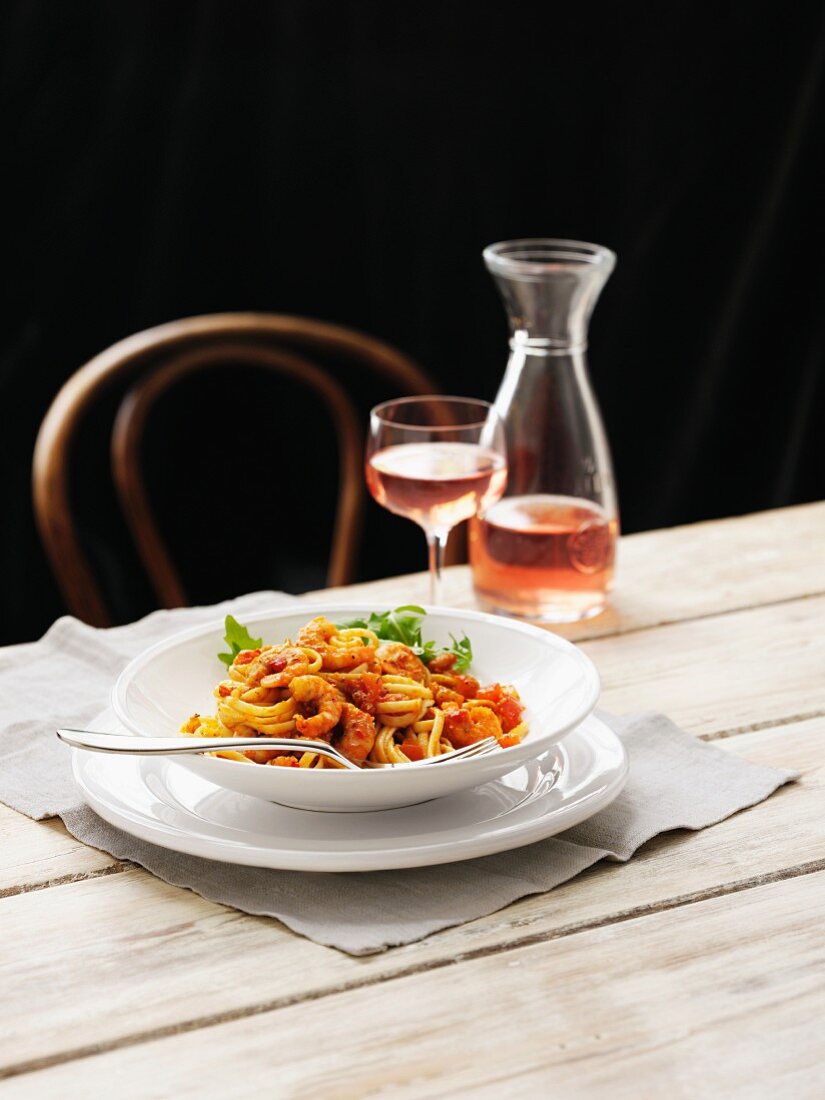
point(154, 361)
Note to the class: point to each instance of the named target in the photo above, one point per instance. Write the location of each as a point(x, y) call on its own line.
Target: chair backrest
point(157, 359)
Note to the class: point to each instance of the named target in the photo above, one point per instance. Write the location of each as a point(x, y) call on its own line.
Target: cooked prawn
point(358, 734)
point(465, 725)
point(284, 663)
point(399, 660)
point(320, 634)
point(316, 632)
point(312, 691)
point(337, 659)
point(250, 665)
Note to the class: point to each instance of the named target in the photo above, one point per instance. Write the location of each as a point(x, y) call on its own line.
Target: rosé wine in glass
point(436, 461)
point(436, 484)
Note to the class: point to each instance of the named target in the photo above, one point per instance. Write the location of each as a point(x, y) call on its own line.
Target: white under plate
point(158, 801)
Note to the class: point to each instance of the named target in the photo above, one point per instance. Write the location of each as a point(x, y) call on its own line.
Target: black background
point(349, 161)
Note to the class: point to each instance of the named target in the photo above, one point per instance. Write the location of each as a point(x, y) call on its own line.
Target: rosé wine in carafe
point(547, 549)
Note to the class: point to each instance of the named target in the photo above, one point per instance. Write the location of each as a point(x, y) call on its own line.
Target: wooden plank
point(721, 674)
point(670, 575)
point(37, 853)
point(721, 998)
point(169, 959)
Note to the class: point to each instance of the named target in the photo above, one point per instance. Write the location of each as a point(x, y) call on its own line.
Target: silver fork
point(181, 745)
point(177, 746)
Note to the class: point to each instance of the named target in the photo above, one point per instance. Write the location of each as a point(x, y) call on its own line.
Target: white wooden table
point(696, 970)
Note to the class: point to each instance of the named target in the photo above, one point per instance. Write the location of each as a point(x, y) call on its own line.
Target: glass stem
point(436, 542)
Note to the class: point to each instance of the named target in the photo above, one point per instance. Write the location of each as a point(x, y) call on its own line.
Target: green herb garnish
point(237, 637)
point(464, 653)
point(400, 625)
point(404, 625)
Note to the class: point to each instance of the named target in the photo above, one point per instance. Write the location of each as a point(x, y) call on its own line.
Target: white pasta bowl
point(558, 685)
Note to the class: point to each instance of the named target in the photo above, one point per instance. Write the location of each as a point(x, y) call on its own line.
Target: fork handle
point(175, 746)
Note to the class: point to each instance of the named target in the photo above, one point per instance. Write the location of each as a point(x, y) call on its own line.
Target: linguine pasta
point(373, 700)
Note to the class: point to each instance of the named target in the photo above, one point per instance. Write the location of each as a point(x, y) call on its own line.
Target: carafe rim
point(536, 257)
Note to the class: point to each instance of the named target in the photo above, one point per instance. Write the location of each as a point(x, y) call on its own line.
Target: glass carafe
point(546, 550)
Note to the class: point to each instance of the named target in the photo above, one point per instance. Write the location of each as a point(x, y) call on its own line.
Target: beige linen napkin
point(675, 782)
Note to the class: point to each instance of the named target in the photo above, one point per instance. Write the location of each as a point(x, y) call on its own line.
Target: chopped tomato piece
point(509, 711)
point(492, 693)
point(365, 692)
point(412, 750)
point(507, 742)
point(224, 690)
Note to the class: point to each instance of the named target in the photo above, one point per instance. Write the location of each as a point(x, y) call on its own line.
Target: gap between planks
point(529, 940)
point(757, 727)
point(65, 880)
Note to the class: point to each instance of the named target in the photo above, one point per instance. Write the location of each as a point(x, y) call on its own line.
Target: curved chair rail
point(153, 347)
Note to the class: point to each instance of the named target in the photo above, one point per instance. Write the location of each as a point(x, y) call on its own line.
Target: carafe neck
point(549, 288)
point(523, 344)
point(530, 369)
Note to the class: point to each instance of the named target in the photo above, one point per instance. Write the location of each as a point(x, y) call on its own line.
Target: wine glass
point(438, 461)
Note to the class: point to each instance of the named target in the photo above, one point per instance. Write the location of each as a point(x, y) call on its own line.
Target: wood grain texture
point(671, 575)
point(169, 959)
point(722, 673)
point(36, 853)
point(696, 969)
point(722, 998)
